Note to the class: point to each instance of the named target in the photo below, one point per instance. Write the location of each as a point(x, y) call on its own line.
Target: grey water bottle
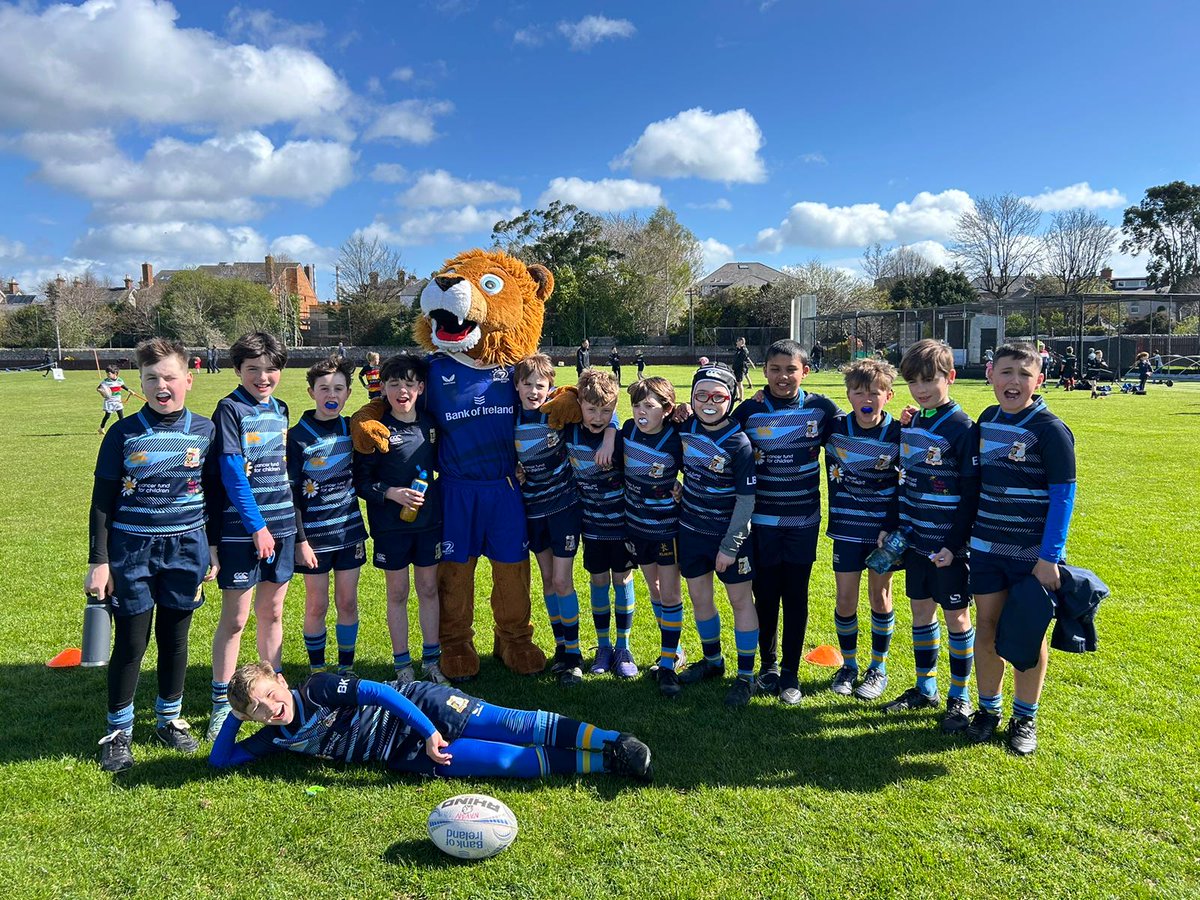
point(97, 632)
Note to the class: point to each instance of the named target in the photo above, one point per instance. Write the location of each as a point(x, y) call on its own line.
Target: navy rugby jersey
point(1020, 456)
point(160, 465)
point(938, 460)
point(862, 465)
point(601, 490)
point(717, 466)
point(320, 467)
point(652, 463)
point(474, 409)
point(413, 447)
point(258, 432)
point(542, 452)
point(787, 436)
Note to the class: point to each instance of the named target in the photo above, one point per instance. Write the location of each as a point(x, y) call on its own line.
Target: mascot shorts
point(483, 518)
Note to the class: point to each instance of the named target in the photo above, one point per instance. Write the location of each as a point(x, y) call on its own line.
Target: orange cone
point(824, 655)
point(65, 660)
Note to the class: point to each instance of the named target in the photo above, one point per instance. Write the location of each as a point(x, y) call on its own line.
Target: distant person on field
point(368, 377)
point(1070, 370)
point(641, 365)
point(1141, 362)
point(742, 364)
point(583, 356)
point(47, 362)
point(818, 354)
point(614, 362)
point(214, 360)
point(112, 389)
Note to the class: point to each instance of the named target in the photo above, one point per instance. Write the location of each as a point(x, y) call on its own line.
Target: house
point(739, 274)
point(12, 299)
point(282, 279)
point(1125, 283)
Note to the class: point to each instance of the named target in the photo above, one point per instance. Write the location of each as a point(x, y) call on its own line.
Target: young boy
point(331, 535)
point(714, 527)
point(742, 364)
point(653, 455)
point(259, 519)
point(148, 544)
point(614, 362)
point(939, 490)
point(787, 428)
point(606, 556)
point(420, 728)
point(552, 511)
point(1026, 495)
point(112, 389)
point(369, 376)
point(861, 461)
point(405, 520)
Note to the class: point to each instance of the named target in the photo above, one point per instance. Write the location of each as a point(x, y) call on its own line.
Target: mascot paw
point(523, 658)
point(563, 408)
point(459, 661)
point(366, 431)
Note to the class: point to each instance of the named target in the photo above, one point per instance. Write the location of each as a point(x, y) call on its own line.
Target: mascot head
point(486, 304)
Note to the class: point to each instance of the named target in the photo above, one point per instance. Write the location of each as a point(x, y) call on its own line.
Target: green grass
point(829, 799)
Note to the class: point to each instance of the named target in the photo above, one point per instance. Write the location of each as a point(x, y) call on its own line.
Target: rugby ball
point(472, 826)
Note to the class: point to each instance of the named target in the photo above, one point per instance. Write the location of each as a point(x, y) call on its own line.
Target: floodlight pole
point(691, 295)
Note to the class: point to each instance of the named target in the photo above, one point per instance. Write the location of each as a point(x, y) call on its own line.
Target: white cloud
point(389, 173)
point(529, 37)
point(239, 209)
point(814, 158)
point(172, 244)
point(404, 73)
point(1076, 195)
point(606, 195)
point(409, 120)
point(264, 28)
point(11, 249)
point(107, 61)
point(442, 189)
point(1126, 264)
point(720, 205)
point(698, 143)
point(810, 224)
point(715, 254)
point(303, 249)
point(423, 227)
point(934, 251)
point(590, 30)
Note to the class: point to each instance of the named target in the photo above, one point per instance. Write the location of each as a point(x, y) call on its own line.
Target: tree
point(885, 264)
point(82, 310)
point(996, 241)
point(659, 259)
point(198, 308)
point(1075, 248)
point(559, 235)
point(837, 290)
point(937, 288)
point(1167, 225)
point(369, 269)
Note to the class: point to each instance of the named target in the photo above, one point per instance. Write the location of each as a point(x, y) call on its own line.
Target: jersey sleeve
point(228, 751)
point(229, 431)
point(742, 412)
point(110, 461)
point(744, 478)
point(1058, 453)
point(832, 411)
point(332, 690)
point(295, 464)
point(376, 694)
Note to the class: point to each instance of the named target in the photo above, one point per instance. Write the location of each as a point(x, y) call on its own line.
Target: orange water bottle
point(420, 484)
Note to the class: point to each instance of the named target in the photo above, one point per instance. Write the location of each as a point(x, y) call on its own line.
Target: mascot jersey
point(475, 408)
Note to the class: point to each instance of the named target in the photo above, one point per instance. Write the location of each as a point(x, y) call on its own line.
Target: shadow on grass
point(697, 742)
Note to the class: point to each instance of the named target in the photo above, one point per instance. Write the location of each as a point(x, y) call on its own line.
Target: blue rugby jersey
point(320, 468)
point(474, 409)
point(717, 466)
point(938, 458)
point(601, 491)
point(549, 486)
point(258, 432)
point(652, 463)
point(413, 447)
point(1020, 456)
point(863, 469)
point(160, 467)
point(787, 436)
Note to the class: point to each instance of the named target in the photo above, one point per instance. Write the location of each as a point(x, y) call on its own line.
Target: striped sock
point(430, 653)
point(587, 762)
point(347, 641)
point(166, 710)
point(847, 634)
point(656, 605)
point(927, 641)
point(315, 645)
point(401, 660)
point(747, 644)
point(625, 604)
point(552, 610)
point(993, 704)
point(121, 720)
point(220, 693)
point(568, 609)
point(1021, 708)
point(710, 639)
point(670, 628)
point(602, 614)
point(589, 737)
point(882, 626)
point(962, 659)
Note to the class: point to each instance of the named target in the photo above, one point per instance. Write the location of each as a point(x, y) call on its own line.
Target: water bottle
point(420, 485)
point(882, 559)
point(97, 632)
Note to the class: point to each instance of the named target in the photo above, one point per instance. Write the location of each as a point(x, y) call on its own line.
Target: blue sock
point(315, 645)
point(672, 625)
point(710, 639)
point(882, 626)
point(430, 653)
point(552, 610)
point(1021, 708)
point(220, 693)
point(747, 644)
point(166, 710)
point(847, 635)
point(568, 609)
point(625, 603)
point(402, 660)
point(347, 641)
point(601, 614)
point(993, 704)
point(962, 658)
point(121, 720)
point(656, 605)
point(927, 641)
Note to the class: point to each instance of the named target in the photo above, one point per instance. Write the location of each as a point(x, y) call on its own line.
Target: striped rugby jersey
point(862, 465)
point(258, 432)
point(320, 467)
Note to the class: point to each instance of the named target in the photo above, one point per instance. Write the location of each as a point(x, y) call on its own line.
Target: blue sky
point(200, 132)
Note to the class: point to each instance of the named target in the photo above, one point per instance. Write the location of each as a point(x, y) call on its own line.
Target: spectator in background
point(583, 356)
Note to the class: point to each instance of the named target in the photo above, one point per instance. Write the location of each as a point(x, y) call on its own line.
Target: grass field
point(829, 799)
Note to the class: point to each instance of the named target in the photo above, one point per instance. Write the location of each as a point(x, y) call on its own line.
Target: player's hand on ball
point(435, 749)
point(724, 561)
point(98, 581)
point(264, 543)
point(1048, 575)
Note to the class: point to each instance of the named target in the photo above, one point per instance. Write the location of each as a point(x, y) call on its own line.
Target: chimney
point(13, 287)
point(270, 269)
point(1106, 273)
point(128, 283)
point(147, 275)
point(308, 273)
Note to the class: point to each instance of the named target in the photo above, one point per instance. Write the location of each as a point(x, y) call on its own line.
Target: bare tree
point(81, 309)
point(1076, 246)
point(659, 259)
point(369, 269)
point(996, 242)
point(886, 264)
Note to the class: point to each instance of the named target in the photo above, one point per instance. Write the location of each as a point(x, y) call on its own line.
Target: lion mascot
point(480, 315)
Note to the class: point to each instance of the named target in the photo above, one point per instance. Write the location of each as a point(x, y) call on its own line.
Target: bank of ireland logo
point(479, 401)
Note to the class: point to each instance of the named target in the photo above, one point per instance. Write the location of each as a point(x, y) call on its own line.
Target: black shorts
point(557, 532)
point(397, 550)
point(163, 570)
point(447, 707)
point(648, 552)
point(993, 574)
point(241, 568)
point(949, 587)
point(698, 556)
point(850, 556)
point(606, 556)
point(774, 546)
point(341, 560)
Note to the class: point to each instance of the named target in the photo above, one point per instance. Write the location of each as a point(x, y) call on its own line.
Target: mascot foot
point(523, 658)
point(459, 662)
